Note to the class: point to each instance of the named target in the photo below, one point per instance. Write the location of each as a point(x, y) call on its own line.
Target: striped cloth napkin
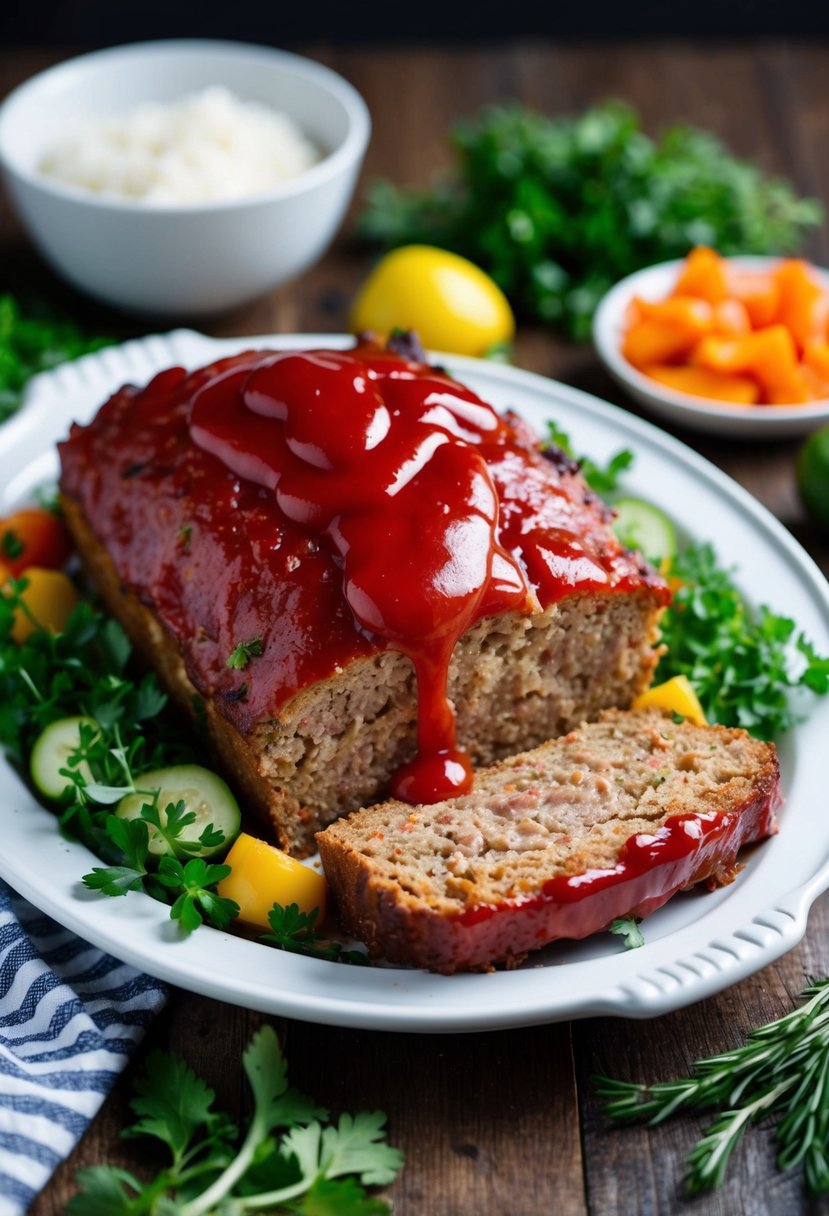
point(70, 1016)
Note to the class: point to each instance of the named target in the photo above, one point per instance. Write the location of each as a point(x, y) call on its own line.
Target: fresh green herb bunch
point(34, 341)
point(743, 664)
point(781, 1071)
point(558, 210)
point(86, 670)
point(290, 1160)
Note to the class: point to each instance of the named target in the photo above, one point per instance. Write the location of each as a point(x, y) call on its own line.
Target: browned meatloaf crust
point(609, 821)
point(139, 500)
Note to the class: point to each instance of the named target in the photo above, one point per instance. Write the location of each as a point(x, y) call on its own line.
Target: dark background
point(104, 22)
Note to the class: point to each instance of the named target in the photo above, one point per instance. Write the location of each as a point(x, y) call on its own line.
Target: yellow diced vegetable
point(261, 875)
point(49, 597)
point(676, 695)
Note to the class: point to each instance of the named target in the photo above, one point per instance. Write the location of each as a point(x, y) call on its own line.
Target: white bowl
point(684, 409)
point(182, 260)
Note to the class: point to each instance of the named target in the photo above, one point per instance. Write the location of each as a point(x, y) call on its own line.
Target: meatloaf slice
point(608, 821)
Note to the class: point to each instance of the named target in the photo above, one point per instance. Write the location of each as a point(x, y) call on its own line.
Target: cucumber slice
point(51, 753)
point(202, 792)
point(640, 525)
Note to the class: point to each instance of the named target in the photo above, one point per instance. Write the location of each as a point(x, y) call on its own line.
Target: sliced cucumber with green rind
point(640, 525)
point(202, 792)
point(51, 753)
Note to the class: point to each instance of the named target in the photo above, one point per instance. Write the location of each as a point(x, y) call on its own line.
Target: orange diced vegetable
point(730, 318)
point(746, 337)
point(704, 275)
point(702, 382)
point(33, 537)
point(758, 292)
point(804, 306)
point(667, 330)
point(768, 354)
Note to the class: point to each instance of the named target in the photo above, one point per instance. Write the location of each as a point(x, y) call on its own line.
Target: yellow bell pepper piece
point(49, 597)
point(261, 875)
point(676, 695)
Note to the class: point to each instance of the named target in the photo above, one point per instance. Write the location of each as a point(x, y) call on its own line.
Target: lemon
point(813, 476)
point(450, 303)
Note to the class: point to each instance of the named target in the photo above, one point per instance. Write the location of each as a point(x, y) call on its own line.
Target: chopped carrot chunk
point(746, 337)
point(704, 275)
point(702, 382)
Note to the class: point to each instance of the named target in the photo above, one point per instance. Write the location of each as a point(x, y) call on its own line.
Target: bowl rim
point(346, 154)
point(606, 329)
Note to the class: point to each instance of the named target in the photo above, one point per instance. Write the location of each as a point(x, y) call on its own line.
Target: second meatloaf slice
point(234, 603)
point(607, 822)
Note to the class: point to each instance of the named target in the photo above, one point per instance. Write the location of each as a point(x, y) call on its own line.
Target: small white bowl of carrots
point(732, 346)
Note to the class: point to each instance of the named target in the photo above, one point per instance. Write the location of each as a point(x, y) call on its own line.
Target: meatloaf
point(345, 556)
point(609, 821)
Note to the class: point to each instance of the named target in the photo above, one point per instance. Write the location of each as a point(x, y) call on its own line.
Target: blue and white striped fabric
point(70, 1016)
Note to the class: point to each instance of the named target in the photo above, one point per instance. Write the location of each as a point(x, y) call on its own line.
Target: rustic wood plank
point(640, 1170)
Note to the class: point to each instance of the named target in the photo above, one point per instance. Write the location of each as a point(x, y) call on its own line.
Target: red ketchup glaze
point(333, 503)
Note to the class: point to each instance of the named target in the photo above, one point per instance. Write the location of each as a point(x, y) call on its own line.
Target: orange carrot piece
point(768, 354)
point(730, 318)
point(758, 292)
point(704, 275)
point(804, 305)
point(815, 382)
point(816, 356)
point(702, 382)
point(668, 330)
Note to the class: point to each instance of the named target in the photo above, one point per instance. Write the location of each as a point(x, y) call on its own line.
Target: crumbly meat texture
point(481, 878)
point(514, 680)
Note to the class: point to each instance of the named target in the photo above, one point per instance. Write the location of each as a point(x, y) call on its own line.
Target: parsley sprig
point(295, 932)
point(603, 479)
point(782, 1071)
point(33, 341)
point(86, 670)
point(289, 1161)
point(559, 209)
point(743, 663)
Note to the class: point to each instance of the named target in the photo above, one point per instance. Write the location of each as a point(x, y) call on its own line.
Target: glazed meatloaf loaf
point(348, 556)
point(609, 821)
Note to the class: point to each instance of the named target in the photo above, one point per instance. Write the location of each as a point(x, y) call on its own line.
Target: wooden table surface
point(507, 1124)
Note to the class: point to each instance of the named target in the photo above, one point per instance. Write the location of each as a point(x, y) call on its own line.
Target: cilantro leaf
point(106, 1192)
point(295, 932)
point(338, 1197)
point(243, 652)
point(357, 1146)
point(194, 901)
point(602, 479)
point(627, 927)
point(11, 545)
point(172, 1103)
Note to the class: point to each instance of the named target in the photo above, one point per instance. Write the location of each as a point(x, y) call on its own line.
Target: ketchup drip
point(383, 459)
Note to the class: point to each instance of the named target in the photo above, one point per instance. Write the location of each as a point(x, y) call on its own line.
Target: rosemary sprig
point(781, 1070)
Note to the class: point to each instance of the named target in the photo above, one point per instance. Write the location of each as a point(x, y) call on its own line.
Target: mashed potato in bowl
point(208, 147)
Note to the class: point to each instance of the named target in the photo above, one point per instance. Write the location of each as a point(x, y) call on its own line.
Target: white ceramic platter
point(696, 945)
point(685, 409)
